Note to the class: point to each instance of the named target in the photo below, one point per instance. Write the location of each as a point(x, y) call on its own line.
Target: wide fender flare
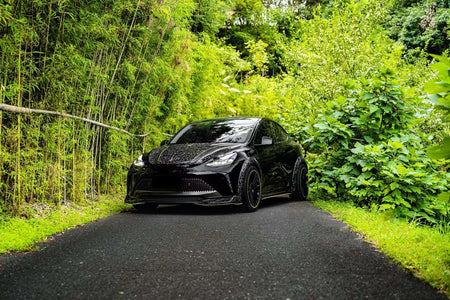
point(300, 160)
point(248, 162)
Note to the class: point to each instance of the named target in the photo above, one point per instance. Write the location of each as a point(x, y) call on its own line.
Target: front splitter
point(184, 200)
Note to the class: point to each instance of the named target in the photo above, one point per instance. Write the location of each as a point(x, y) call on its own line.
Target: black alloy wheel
point(300, 183)
point(250, 186)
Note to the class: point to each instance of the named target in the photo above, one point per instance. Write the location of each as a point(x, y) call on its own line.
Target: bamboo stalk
point(93, 160)
point(74, 179)
point(2, 98)
point(58, 158)
point(142, 50)
point(48, 34)
point(99, 151)
point(119, 59)
point(86, 166)
point(158, 48)
point(19, 103)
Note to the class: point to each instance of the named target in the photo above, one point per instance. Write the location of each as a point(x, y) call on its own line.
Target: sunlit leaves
point(258, 55)
point(368, 154)
point(439, 94)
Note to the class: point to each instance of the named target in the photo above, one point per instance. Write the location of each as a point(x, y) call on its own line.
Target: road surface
point(285, 250)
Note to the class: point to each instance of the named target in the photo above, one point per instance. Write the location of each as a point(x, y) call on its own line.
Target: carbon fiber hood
point(188, 153)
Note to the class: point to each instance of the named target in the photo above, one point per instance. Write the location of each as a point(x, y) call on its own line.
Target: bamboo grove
point(149, 66)
point(120, 63)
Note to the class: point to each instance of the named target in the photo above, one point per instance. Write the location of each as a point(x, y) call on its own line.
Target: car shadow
point(192, 209)
point(275, 201)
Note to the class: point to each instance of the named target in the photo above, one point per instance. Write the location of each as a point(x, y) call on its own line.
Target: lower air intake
point(195, 185)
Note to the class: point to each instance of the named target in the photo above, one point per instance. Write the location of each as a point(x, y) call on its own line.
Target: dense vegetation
point(346, 78)
point(370, 154)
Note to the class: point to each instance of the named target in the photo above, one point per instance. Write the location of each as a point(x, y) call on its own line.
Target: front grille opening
point(195, 185)
point(175, 184)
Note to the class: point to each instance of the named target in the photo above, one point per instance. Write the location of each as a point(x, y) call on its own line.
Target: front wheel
point(250, 188)
point(300, 183)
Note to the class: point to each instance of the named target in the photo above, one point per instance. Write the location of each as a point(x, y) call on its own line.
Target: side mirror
point(266, 140)
point(163, 143)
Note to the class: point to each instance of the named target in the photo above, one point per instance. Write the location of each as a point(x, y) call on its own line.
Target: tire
point(250, 188)
point(300, 182)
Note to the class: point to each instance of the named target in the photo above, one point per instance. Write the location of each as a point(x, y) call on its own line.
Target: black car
point(220, 161)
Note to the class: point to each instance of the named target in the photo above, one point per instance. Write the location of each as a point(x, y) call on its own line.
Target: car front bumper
point(175, 184)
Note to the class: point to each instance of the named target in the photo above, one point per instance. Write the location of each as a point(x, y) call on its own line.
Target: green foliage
point(439, 90)
point(422, 25)
point(247, 12)
point(371, 156)
point(209, 16)
point(152, 66)
point(132, 64)
point(258, 55)
point(439, 95)
point(329, 51)
point(440, 151)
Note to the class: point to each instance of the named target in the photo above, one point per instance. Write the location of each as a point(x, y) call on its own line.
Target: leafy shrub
point(364, 150)
point(439, 94)
point(423, 25)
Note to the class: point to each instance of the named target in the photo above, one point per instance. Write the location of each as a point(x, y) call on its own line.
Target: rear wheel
point(250, 188)
point(300, 183)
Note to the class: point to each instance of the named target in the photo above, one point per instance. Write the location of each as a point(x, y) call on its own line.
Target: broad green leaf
point(403, 158)
point(442, 67)
point(436, 87)
point(394, 185)
point(322, 126)
point(395, 144)
point(368, 139)
point(444, 197)
point(388, 199)
point(367, 96)
point(442, 59)
point(441, 151)
point(373, 108)
point(358, 148)
point(385, 206)
point(416, 189)
point(402, 170)
point(403, 202)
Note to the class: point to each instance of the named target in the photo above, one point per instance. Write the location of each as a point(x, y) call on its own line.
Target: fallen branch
point(24, 110)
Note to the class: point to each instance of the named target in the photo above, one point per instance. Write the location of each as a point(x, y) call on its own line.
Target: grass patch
point(21, 233)
point(422, 250)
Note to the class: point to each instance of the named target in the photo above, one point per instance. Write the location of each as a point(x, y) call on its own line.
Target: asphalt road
point(285, 250)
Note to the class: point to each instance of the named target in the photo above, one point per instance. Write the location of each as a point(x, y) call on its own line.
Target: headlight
point(139, 162)
point(223, 160)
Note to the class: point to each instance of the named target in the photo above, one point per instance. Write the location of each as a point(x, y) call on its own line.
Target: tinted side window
point(279, 134)
point(264, 129)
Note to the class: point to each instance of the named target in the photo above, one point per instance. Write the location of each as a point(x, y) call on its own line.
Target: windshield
point(216, 131)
